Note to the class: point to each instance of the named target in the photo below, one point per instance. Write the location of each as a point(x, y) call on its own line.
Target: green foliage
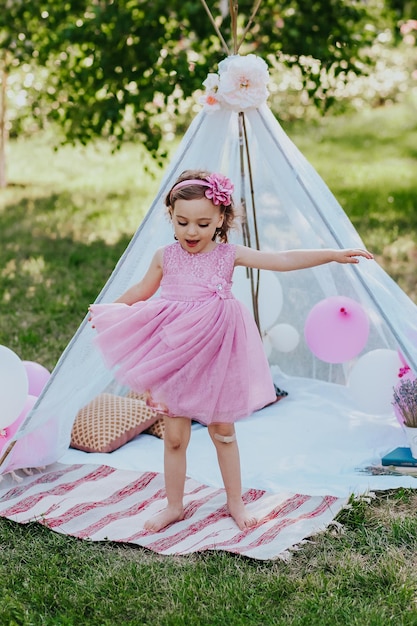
point(334, 35)
point(113, 67)
point(65, 220)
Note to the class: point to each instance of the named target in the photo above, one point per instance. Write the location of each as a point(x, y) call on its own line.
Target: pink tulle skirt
point(198, 359)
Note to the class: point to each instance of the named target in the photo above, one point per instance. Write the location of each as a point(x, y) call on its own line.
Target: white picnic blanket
point(101, 503)
point(301, 460)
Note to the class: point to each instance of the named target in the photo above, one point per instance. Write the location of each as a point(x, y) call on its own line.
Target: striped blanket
point(101, 503)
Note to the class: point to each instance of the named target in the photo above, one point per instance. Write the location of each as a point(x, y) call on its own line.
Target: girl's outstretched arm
point(296, 259)
point(149, 284)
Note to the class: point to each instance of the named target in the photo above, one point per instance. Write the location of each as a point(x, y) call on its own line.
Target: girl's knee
point(223, 433)
point(175, 442)
point(177, 433)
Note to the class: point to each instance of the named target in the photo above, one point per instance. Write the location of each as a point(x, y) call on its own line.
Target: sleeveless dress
point(194, 350)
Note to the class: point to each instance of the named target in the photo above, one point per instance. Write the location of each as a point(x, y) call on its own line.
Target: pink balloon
point(37, 375)
point(336, 329)
point(33, 449)
point(11, 430)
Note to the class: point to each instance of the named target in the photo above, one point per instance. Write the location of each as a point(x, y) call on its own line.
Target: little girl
point(195, 350)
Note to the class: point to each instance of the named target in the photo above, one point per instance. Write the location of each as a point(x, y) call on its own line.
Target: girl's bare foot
point(166, 517)
point(240, 515)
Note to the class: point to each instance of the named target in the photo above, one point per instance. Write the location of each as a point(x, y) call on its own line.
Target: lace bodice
point(186, 267)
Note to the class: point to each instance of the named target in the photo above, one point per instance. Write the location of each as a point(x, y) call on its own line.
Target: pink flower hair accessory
point(219, 188)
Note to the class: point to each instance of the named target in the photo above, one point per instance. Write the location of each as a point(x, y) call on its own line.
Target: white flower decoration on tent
point(240, 84)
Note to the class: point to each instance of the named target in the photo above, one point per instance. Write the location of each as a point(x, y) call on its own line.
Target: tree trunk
point(3, 128)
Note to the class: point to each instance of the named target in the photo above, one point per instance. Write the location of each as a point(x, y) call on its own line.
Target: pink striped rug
point(100, 503)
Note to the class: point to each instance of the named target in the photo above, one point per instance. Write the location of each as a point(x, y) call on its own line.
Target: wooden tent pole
point(254, 283)
point(234, 7)
point(248, 25)
point(216, 28)
point(250, 272)
point(244, 149)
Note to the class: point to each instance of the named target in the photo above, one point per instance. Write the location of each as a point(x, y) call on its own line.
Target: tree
point(114, 66)
point(20, 25)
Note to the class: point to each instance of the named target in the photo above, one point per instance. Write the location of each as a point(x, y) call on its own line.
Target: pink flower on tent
point(210, 100)
point(243, 82)
point(240, 85)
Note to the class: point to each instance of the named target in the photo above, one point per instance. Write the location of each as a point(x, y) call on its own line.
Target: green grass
point(65, 220)
point(363, 574)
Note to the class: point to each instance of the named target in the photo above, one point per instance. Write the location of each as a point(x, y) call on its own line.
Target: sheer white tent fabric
point(294, 208)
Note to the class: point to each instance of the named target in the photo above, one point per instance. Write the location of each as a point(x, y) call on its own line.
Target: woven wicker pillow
point(158, 428)
point(108, 422)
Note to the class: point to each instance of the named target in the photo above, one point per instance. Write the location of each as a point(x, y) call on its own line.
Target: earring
point(216, 232)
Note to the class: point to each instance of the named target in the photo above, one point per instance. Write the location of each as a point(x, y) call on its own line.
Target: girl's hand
point(90, 316)
point(350, 255)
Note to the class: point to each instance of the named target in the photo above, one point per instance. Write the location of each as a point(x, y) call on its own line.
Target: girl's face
point(195, 222)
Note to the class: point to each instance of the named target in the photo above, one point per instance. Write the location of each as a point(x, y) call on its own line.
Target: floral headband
point(219, 188)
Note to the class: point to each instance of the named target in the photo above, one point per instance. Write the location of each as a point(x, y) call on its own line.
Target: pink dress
point(194, 349)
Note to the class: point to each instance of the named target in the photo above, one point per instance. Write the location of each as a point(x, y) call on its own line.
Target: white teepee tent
point(287, 205)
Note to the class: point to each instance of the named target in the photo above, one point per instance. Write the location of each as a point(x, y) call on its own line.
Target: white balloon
point(270, 299)
point(241, 287)
point(270, 296)
point(284, 337)
point(372, 379)
point(267, 345)
point(14, 386)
